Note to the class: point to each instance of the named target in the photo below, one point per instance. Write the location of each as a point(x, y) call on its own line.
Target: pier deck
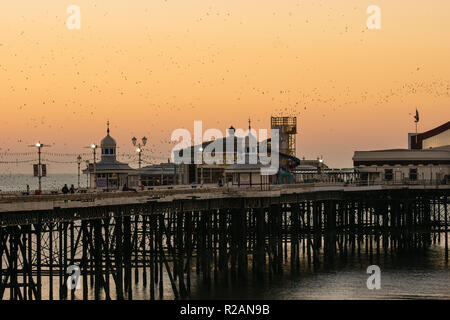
point(165, 195)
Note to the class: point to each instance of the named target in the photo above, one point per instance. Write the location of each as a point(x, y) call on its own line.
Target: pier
point(120, 239)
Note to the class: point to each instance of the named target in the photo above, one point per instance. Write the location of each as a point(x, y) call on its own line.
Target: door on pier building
point(192, 174)
point(122, 180)
point(398, 176)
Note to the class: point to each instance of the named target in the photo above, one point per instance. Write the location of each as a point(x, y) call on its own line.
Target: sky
point(150, 67)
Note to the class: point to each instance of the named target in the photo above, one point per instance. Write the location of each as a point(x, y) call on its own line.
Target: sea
point(406, 276)
point(18, 182)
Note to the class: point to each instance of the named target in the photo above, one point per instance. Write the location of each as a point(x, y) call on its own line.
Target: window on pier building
point(413, 174)
point(108, 151)
point(388, 174)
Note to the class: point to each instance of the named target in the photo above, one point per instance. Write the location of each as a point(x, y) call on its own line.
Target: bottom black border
point(242, 309)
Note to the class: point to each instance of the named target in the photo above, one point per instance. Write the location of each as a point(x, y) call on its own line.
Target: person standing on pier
point(72, 189)
point(64, 189)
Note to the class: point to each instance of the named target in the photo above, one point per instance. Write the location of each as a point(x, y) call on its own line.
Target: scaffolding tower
point(287, 127)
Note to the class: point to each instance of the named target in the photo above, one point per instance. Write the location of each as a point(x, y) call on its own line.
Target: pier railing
point(172, 189)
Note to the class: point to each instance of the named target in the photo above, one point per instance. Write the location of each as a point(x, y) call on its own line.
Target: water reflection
point(417, 274)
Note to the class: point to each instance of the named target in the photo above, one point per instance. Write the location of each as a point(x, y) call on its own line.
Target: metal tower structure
point(287, 127)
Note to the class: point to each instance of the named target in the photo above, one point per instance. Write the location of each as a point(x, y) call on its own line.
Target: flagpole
point(416, 120)
point(416, 133)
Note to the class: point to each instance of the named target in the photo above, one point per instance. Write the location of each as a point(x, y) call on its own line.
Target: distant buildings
point(157, 175)
point(111, 174)
point(249, 175)
point(108, 173)
point(190, 172)
point(241, 174)
point(427, 160)
point(434, 138)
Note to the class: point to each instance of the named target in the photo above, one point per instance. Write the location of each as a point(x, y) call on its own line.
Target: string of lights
point(18, 161)
point(55, 161)
point(131, 158)
point(58, 154)
point(5, 153)
point(122, 156)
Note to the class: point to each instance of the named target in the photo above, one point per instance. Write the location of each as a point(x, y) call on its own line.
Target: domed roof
point(108, 141)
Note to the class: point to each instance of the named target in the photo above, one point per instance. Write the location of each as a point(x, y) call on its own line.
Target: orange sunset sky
point(151, 67)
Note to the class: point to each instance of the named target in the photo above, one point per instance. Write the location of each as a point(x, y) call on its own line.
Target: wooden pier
point(118, 240)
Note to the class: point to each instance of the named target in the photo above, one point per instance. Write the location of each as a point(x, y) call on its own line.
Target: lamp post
point(201, 168)
point(139, 151)
point(39, 146)
point(79, 163)
point(320, 165)
point(87, 173)
point(94, 148)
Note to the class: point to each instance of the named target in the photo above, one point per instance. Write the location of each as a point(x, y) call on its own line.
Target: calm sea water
point(18, 182)
point(406, 276)
point(414, 275)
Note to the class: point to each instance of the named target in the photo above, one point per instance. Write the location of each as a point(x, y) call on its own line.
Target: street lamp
point(139, 151)
point(79, 163)
point(320, 164)
point(39, 146)
point(94, 148)
point(201, 166)
point(87, 173)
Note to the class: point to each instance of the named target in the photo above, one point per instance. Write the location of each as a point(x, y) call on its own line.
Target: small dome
point(231, 131)
point(108, 142)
